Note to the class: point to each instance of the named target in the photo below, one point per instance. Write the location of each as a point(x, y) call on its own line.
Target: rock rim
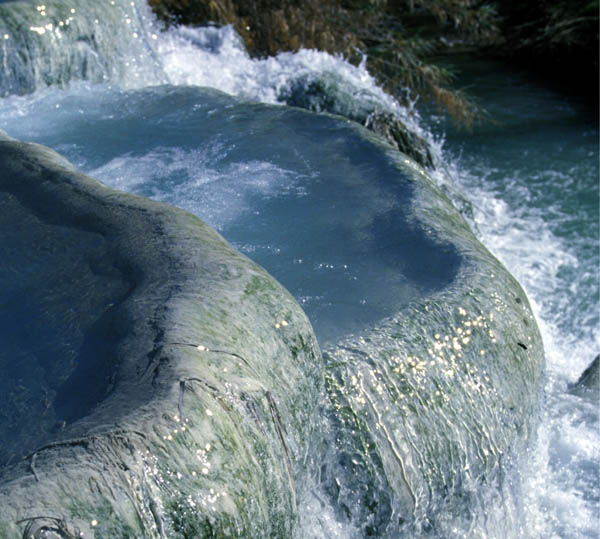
point(212, 403)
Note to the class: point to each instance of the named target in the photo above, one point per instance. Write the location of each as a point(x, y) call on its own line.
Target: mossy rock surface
point(432, 409)
point(202, 404)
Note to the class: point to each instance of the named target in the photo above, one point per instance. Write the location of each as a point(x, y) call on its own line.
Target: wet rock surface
point(197, 423)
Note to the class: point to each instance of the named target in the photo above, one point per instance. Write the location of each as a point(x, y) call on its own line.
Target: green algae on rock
point(200, 420)
point(434, 405)
point(326, 94)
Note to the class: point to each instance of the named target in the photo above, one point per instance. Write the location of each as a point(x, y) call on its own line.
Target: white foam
point(318, 520)
point(216, 194)
point(558, 483)
point(523, 241)
point(216, 58)
point(559, 503)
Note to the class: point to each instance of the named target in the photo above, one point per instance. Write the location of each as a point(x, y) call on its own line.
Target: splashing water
point(538, 215)
point(533, 184)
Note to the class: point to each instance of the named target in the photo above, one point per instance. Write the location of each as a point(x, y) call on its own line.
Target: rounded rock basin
point(58, 356)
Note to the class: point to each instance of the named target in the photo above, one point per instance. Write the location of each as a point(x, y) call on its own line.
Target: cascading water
point(56, 43)
point(220, 158)
point(533, 181)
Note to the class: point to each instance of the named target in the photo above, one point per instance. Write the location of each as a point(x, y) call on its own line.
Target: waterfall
point(54, 43)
